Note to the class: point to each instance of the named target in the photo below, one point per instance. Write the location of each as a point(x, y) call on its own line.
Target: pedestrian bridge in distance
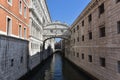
point(58, 50)
point(56, 30)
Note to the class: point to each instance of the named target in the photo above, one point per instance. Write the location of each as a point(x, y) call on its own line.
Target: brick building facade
point(14, 18)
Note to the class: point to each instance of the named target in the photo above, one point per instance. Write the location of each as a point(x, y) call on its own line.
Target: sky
point(66, 11)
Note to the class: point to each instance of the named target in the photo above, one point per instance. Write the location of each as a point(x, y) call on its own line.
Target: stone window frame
point(12, 62)
point(25, 11)
point(118, 27)
point(83, 38)
point(90, 58)
point(101, 33)
point(10, 26)
point(83, 56)
point(9, 2)
point(51, 31)
point(77, 27)
point(20, 31)
point(25, 32)
point(20, 6)
point(90, 35)
point(89, 18)
point(74, 30)
point(73, 53)
point(78, 39)
point(101, 9)
point(77, 54)
point(74, 41)
point(21, 59)
point(83, 23)
point(62, 30)
point(102, 61)
point(118, 67)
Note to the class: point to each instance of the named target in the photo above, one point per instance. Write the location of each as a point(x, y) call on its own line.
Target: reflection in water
point(57, 68)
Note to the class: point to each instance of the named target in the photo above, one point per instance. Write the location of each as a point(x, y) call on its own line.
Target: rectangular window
point(51, 31)
point(102, 62)
point(102, 31)
point(21, 59)
point(119, 66)
point(20, 31)
point(83, 23)
point(25, 11)
point(74, 53)
point(62, 30)
point(90, 18)
point(74, 30)
point(101, 9)
point(83, 38)
point(82, 56)
point(9, 2)
point(77, 27)
point(74, 40)
point(77, 54)
point(9, 26)
point(117, 1)
point(90, 58)
point(20, 7)
point(12, 62)
point(78, 39)
point(118, 27)
point(90, 35)
point(25, 33)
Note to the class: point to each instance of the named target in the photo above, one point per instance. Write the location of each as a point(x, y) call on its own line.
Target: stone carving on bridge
point(56, 30)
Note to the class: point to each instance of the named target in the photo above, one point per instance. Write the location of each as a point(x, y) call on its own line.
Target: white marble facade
point(39, 18)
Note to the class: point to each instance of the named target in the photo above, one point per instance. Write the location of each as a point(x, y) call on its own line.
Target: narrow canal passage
point(57, 68)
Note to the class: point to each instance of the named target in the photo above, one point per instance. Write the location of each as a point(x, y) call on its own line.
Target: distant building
point(95, 41)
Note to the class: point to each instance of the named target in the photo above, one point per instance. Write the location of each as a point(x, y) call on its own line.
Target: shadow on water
point(57, 68)
point(71, 73)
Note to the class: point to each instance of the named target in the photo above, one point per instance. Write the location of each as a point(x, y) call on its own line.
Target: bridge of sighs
point(56, 30)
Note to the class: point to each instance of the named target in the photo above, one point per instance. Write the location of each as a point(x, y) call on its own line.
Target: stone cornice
point(44, 10)
point(57, 23)
point(48, 11)
point(86, 11)
point(35, 14)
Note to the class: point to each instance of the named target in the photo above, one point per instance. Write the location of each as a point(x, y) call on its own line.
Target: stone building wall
point(104, 49)
point(13, 58)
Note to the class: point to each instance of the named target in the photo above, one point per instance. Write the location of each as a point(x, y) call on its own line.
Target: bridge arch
point(55, 30)
point(51, 38)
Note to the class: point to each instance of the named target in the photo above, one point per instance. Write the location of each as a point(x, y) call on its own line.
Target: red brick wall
point(14, 9)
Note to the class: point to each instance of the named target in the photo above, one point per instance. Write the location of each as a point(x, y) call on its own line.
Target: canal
point(57, 68)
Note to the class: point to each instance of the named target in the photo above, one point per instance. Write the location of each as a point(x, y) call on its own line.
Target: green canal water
point(58, 68)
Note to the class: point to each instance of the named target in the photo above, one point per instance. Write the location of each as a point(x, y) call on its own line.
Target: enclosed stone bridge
point(56, 30)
